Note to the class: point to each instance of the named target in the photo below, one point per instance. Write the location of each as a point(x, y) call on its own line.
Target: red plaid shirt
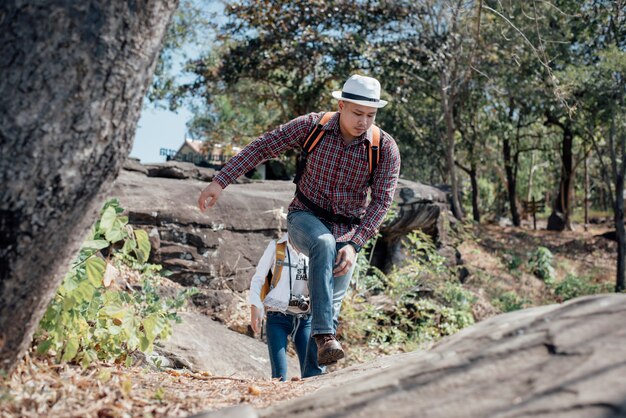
point(336, 176)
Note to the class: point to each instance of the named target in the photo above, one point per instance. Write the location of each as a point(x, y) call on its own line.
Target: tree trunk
point(619, 171)
point(73, 75)
point(475, 192)
point(511, 180)
point(620, 232)
point(561, 210)
point(447, 108)
point(586, 199)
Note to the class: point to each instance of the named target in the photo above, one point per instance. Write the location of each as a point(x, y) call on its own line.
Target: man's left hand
point(346, 257)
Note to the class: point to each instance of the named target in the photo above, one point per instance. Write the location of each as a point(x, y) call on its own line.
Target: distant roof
point(199, 147)
point(194, 145)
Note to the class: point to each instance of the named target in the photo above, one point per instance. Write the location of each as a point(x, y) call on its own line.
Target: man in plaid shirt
point(335, 219)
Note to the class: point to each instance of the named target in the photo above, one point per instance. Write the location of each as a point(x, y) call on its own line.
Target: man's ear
point(340, 105)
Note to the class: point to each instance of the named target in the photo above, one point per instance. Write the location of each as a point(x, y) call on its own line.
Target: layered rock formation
point(554, 361)
point(217, 251)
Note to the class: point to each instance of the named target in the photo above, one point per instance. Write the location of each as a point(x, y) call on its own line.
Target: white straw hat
point(361, 90)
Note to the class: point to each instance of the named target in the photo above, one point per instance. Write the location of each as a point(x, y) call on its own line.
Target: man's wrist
point(356, 246)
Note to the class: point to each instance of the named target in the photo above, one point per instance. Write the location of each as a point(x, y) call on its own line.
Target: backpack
point(317, 134)
point(271, 280)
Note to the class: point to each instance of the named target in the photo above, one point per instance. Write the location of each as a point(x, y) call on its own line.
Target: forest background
point(503, 101)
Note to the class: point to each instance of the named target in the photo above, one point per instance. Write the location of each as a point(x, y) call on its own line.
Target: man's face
point(355, 119)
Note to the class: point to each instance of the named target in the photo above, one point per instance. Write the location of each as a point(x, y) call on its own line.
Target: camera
point(300, 302)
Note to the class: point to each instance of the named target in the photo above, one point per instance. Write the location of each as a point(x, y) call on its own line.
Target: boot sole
point(330, 357)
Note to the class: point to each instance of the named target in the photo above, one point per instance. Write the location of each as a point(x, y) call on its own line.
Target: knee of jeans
point(325, 242)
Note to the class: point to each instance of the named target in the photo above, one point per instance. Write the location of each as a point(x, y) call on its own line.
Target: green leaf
point(68, 303)
point(71, 348)
point(44, 346)
point(145, 344)
point(96, 244)
point(129, 245)
point(152, 326)
point(143, 245)
point(115, 233)
point(107, 220)
point(113, 310)
point(95, 267)
point(132, 339)
point(83, 293)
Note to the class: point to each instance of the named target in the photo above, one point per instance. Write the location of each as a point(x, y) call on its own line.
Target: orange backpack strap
point(314, 137)
point(281, 253)
point(373, 151)
point(317, 133)
point(272, 279)
point(266, 286)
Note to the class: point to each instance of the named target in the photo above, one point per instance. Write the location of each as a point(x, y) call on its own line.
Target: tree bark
point(561, 209)
point(510, 168)
point(619, 171)
point(447, 105)
point(475, 192)
point(620, 232)
point(73, 75)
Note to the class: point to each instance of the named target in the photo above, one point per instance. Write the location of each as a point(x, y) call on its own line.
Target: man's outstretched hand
point(346, 257)
point(209, 196)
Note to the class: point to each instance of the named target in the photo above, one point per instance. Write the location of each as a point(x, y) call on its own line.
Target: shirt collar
point(284, 238)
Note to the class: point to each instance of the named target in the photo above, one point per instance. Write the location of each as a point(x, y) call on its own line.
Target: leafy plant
point(541, 265)
point(414, 305)
point(509, 301)
point(574, 286)
point(93, 317)
point(514, 261)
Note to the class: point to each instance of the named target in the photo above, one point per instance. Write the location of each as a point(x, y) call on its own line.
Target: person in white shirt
point(287, 307)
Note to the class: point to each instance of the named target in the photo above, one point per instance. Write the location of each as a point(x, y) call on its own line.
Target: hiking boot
point(328, 349)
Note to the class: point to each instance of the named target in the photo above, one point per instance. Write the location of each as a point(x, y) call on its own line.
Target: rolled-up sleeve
point(268, 145)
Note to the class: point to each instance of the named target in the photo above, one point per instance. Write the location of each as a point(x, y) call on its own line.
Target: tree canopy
point(504, 101)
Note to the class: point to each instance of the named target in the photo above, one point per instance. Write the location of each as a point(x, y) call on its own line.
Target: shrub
point(509, 301)
point(573, 286)
point(94, 318)
point(541, 265)
point(419, 303)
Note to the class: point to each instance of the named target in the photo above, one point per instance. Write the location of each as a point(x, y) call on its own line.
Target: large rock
point(218, 250)
point(202, 344)
point(419, 206)
point(554, 361)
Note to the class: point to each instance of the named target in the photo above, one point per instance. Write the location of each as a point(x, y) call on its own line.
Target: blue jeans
point(314, 238)
point(278, 327)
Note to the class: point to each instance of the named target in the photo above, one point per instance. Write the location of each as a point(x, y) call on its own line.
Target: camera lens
point(304, 306)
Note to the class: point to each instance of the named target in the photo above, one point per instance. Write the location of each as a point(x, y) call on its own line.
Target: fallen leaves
point(41, 388)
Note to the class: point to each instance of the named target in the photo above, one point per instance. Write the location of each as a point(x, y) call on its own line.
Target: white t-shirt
point(295, 269)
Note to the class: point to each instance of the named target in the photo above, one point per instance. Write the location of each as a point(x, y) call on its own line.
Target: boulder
point(562, 360)
point(419, 206)
point(202, 344)
point(219, 249)
point(178, 170)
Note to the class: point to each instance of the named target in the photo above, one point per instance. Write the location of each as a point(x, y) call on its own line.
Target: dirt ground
point(497, 260)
